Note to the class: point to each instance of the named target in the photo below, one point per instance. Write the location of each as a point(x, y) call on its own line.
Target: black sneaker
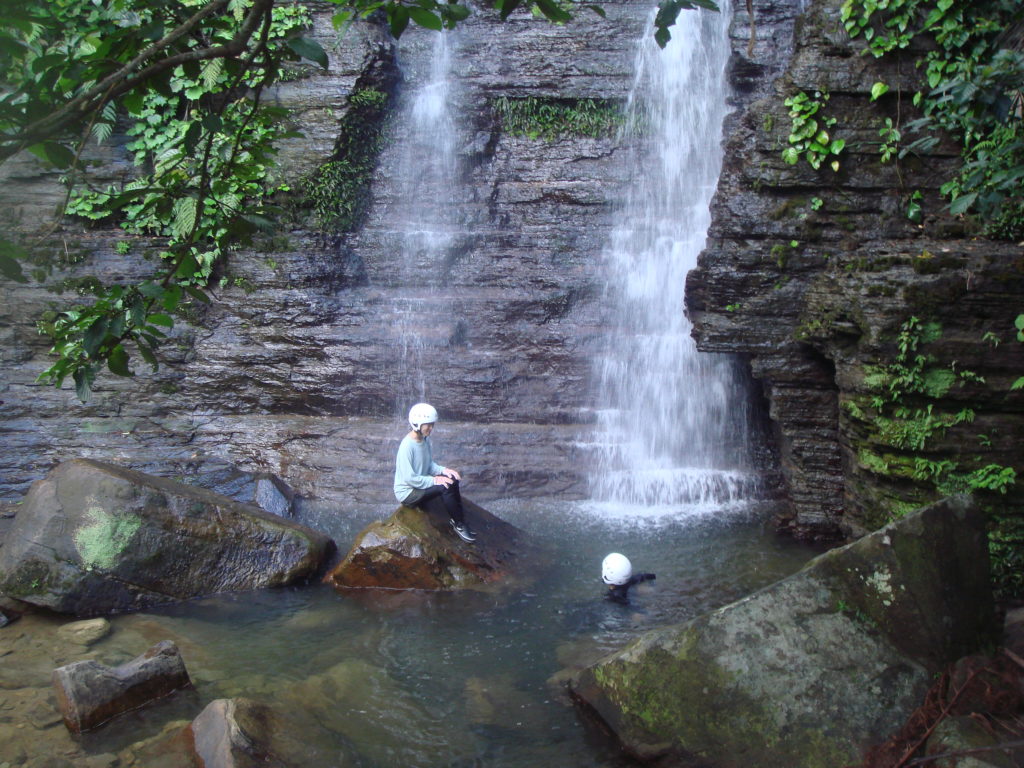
point(464, 533)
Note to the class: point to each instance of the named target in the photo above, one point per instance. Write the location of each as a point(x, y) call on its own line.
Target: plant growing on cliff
point(551, 118)
point(905, 416)
point(338, 191)
point(972, 68)
point(809, 134)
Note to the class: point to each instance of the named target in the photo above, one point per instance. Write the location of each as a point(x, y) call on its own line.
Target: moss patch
point(101, 542)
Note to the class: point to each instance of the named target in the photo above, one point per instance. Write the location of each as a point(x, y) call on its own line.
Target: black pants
point(439, 500)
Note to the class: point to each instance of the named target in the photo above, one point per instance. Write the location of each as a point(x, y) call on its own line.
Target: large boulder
point(89, 693)
point(93, 538)
point(414, 549)
point(814, 669)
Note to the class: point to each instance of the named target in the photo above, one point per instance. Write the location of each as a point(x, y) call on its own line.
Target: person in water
point(617, 573)
point(420, 481)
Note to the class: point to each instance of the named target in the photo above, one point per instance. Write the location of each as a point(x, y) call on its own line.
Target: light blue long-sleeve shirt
point(414, 467)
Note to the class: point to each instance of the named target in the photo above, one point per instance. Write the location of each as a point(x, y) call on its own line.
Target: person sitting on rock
point(420, 482)
point(617, 573)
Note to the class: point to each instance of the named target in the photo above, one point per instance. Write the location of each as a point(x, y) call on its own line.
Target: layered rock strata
point(812, 275)
point(317, 329)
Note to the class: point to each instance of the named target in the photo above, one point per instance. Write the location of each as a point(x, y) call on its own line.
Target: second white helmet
point(616, 569)
point(420, 414)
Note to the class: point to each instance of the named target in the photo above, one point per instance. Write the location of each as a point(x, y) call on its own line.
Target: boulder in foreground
point(815, 669)
point(89, 693)
point(233, 733)
point(93, 538)
point(416, 550)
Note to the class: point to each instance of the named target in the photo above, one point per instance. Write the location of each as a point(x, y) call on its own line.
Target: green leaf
point(962, 203)
point(341, 21)
point(309, 49)
point(878, 89)
point(117, 361)
point(506, 7)
point(1018, 384)
point(553, 12)
point(398, 18)
point(172, 297)
point(94, 336)
point(791, 155)
point(56, 154)
point(425, 18)
point(161, 319)
point(184, 217)
point(197, 294)
point(84, 378)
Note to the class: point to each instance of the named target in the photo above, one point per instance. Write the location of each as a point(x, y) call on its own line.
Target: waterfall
point(672, 421)
point(424, 221)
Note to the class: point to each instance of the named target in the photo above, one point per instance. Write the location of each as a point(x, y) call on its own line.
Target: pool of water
point(382, 678)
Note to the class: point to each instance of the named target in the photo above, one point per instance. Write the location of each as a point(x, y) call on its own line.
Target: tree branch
point(123, 81)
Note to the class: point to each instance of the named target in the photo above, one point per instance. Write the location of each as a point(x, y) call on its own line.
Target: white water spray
point(424, 208)
point(672, 420)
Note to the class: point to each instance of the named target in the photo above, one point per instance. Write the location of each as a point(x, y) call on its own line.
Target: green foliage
point(972, 89)
point(905, 418)
point(1006, 546)
point(339, 190)
point(551, 118)
point(439, 14)
point(809, 136)
point(188, 76)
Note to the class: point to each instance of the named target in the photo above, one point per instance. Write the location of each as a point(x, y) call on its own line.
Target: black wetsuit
point(620, 592)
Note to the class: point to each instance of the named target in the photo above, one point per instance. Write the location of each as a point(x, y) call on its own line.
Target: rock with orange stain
point(416, 550)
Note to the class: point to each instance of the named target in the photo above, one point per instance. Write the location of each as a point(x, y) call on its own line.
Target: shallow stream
point(397, 678)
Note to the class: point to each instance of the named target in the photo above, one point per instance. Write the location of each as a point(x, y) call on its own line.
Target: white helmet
point(616, 569)
point(420, 414)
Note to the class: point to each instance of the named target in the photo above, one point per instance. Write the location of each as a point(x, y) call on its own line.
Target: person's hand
point(452, 473)
point(442, 480)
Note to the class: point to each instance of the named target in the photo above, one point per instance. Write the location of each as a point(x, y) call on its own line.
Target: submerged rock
point(89, 693)
point(84, 632)
point(93, 538)
point(232, 733)
point(814, 669)
point(414, 549)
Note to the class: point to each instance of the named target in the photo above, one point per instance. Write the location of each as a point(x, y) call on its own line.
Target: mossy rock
point(815, 669)
point(93, 538)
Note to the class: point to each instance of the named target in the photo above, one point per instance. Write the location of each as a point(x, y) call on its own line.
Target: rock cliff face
point(814, 275)
point(312, 349)
point(316, 343)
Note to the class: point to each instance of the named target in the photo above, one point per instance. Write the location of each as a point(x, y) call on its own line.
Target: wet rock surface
point(316, 324)
point(814, 669)
point(811, 274)
point(233, 733)
point(90, 694)
point(415, 549)
point(94, 538)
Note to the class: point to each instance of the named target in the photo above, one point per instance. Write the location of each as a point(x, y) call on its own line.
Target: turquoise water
point(380, 678)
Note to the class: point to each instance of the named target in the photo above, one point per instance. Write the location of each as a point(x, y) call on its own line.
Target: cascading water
point(672, 420)
point(424, 219)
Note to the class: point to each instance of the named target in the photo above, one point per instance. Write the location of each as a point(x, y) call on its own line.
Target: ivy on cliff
point(972, 71)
